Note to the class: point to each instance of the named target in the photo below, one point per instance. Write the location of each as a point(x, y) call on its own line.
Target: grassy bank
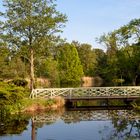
point(15, 99)
point(34, 105)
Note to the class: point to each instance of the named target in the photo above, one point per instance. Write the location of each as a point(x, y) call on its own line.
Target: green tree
point(101, 68)
point(129, 33)
point(129, 63)
point(31, 23)
point(129, 40)
point(123, 53)
point(4, 62)
point(110, 40)
point(87, 57)
point(48, 68)
point(70, 66)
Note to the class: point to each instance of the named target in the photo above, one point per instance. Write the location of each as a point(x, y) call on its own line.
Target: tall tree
point(110, 40)
point(130, 33)
point(129, 63)
point(87, 57)
point(4, 62)
point(101, 68)
point(70, 66)
point(123, 53)
point(129, 38)
point(31, 23)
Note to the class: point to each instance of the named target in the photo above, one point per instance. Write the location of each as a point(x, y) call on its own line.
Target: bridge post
point(32, 94)
point(74, 104)
point(35, 94)
point(70, 93)
point(107, 102)
point(51, 94)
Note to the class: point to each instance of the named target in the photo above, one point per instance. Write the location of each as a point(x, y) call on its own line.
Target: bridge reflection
point(81, 115)
point(117, 118)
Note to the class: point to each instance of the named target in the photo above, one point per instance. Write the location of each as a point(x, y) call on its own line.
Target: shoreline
point(58, 103)
point(34, 105)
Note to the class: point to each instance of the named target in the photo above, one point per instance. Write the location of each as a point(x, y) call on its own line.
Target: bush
point(10, 94)
point(19, 82)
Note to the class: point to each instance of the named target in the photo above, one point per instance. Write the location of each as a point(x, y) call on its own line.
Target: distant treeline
point(29, 47)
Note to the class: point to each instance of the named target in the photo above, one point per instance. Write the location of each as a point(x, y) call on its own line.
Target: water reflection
point(123, 128)
point(13, 124)
point(73, 125)
point(92, 115)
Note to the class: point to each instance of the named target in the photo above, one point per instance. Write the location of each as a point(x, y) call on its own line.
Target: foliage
point(32, 24)
point(48, 68)
point(19, 82)
point(26, 104)
point(118, 81)
point(102, 67)
point(15, 99)
point(87, 57)
point(70, 67)
point(31, 105)
point(10, 94)
point(13, 124)
point(5, 70)
point(122, 55)
point(30, 47)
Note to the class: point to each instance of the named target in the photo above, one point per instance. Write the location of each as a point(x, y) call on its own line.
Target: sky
point(89, 19)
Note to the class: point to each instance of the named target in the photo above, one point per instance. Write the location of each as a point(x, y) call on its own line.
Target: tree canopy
point(31, 47)
point(32, 23)
point(70, 66)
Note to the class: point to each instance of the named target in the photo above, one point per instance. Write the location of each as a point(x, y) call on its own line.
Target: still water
point(72, 125)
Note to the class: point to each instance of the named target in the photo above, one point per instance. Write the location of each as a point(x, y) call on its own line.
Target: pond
point(72, 125)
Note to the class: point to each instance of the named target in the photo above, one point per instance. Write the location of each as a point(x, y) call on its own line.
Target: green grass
point(23, 104)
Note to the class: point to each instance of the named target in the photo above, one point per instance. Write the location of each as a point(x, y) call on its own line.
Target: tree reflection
point(13, 124)
point(33, 134)
point(124, 128)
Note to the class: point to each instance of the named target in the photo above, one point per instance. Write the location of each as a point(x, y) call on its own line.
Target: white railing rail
point(86, 92)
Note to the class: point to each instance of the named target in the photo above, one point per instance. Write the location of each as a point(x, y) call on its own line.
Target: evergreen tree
point(70, 66)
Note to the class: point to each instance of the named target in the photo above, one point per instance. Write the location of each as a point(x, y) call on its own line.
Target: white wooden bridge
point(132, 92)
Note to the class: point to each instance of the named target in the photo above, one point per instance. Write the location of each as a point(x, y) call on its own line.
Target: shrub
point(19, 82)
point(9, 93)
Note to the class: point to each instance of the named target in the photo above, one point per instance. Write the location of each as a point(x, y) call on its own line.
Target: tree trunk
point(134, 80)
point(32, 81)
point(33, 133)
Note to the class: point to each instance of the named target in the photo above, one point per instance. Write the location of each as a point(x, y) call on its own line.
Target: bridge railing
point(85, 92)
